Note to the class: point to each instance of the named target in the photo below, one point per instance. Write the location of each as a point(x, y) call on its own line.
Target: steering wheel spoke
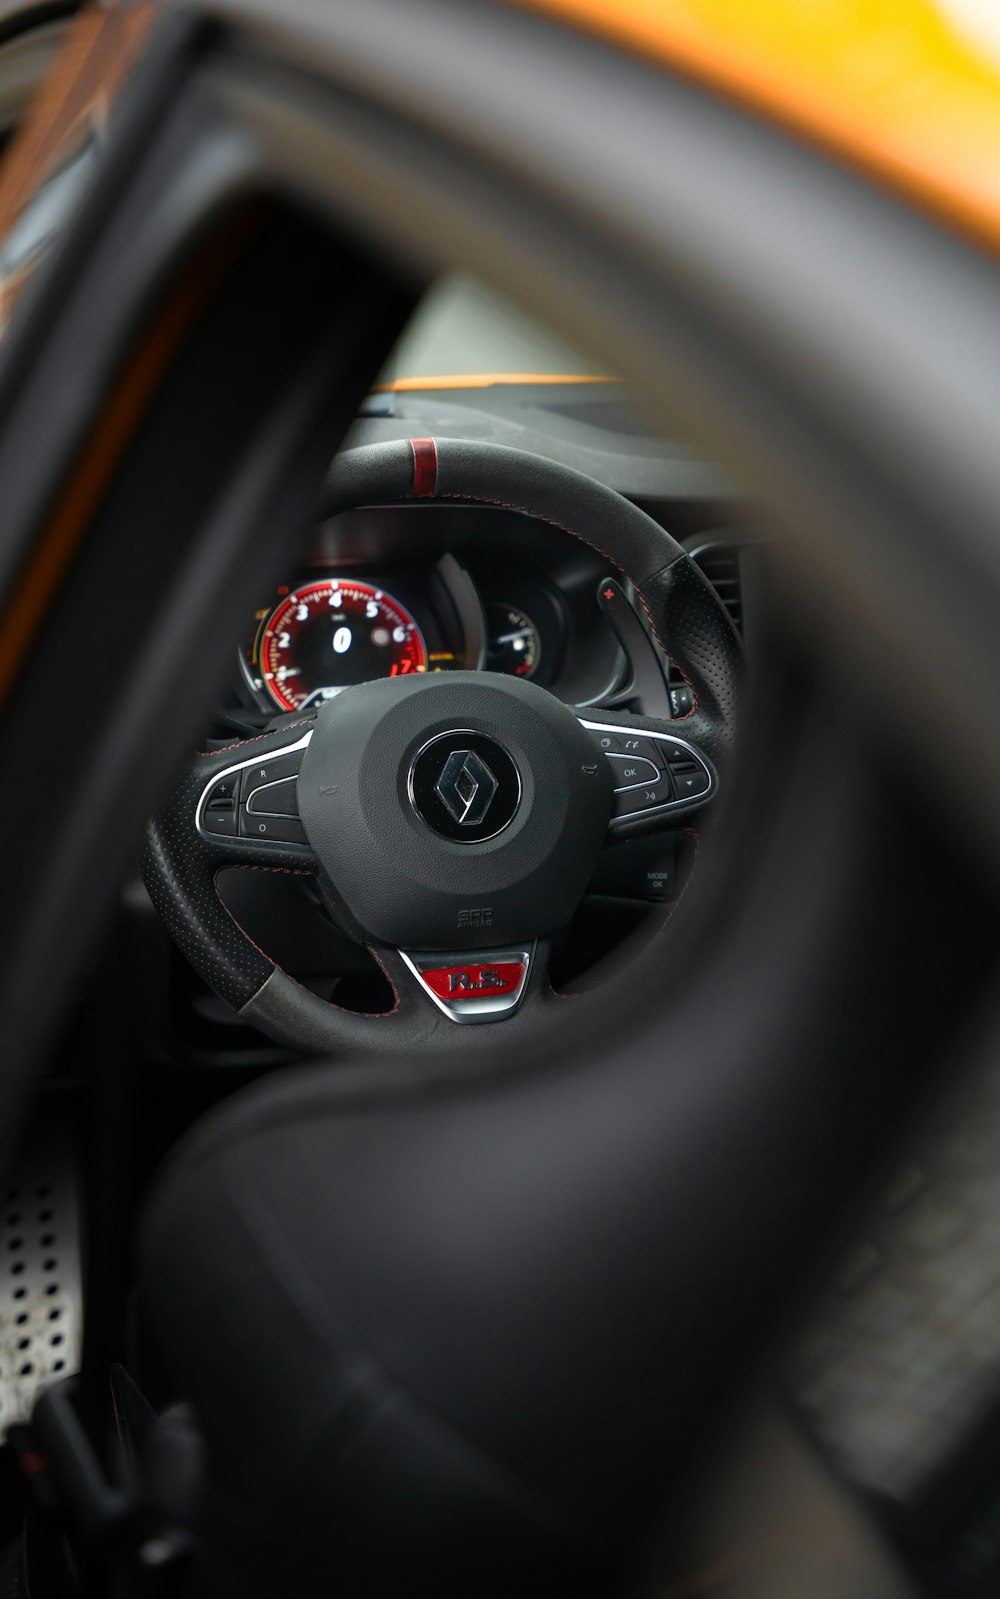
point(247, 807)
point(210, 822)
point(660, 776)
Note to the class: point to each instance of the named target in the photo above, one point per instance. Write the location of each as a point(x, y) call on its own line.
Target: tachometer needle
point(319, 694)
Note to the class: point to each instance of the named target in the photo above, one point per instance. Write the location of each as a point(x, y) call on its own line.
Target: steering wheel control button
point(485, 988)
point(648, 797)
point(223, 792)
point(256, 799)
point(274, 799)
point(273, 770)
point(634, 744)
point(272, 829)
point(623, 743)
point(610, 743)
point(220, 810)
point(631, 771)
point(465, 786)
point(655, 772)
point(220, 822)
point(690, 782)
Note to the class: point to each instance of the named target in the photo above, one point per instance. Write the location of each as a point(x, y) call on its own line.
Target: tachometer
point(327, 635)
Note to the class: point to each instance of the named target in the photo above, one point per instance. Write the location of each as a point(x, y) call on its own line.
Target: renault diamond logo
point(466, 787)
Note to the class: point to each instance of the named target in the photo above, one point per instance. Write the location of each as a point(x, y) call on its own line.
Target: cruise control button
point(272, 829)
point(689, 784)
point(224, 789)
point(270, 770)
point(275, 799)
point(647, 797)
point(631, 770)
point(220, 818)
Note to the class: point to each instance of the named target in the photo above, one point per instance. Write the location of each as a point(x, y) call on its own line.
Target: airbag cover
point(402, 844)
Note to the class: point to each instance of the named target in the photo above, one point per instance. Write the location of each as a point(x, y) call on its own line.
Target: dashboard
point(392, 590)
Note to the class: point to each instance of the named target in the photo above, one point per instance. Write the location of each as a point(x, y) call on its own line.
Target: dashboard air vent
point(721, 565)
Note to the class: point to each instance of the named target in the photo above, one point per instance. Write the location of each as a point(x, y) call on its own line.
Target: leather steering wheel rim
point(686, 618)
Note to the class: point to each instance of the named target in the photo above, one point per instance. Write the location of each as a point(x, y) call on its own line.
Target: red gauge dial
point(327, 635)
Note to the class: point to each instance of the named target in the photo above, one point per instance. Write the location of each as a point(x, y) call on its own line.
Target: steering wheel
point(452, 822)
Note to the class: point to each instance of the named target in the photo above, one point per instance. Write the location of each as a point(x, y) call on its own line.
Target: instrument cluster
point(380, 595)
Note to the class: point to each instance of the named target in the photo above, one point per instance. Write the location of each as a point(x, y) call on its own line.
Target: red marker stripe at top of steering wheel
point(425, 468)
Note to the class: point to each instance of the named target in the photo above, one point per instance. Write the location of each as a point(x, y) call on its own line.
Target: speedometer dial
point(514, 645)
point(327, 635)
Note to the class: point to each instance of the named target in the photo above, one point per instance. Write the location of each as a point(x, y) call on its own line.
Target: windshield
point(464, 330)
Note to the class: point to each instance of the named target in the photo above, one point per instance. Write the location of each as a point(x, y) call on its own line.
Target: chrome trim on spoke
point(481, 1008)
point(241, 766)
point(692, 754)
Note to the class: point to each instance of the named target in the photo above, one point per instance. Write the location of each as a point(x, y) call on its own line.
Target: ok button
point(631, 771)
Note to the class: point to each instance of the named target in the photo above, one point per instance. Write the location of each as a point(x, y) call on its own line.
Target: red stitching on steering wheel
point(255, 738)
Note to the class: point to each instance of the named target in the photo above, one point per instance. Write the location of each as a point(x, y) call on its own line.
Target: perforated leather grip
point(179, 867)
